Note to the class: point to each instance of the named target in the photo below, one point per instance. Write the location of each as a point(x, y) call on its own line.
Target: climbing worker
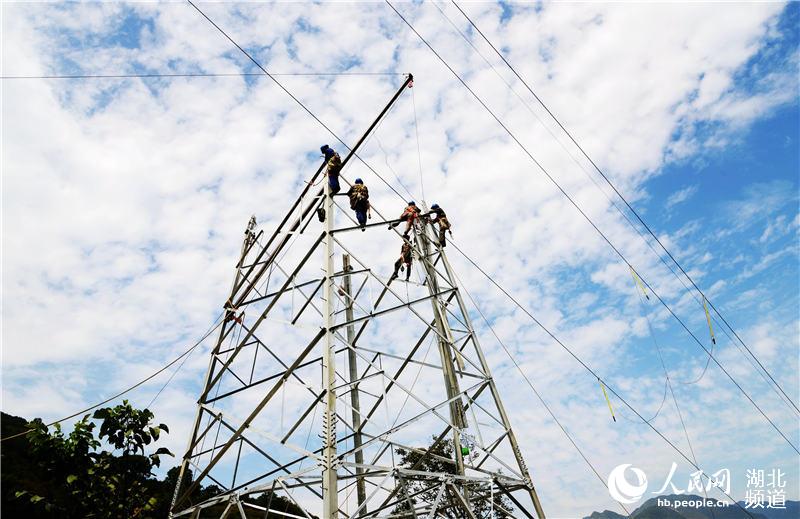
point(410, 214)
point(359, 201)
point(334, 166)
point(406, 257)
point(441, 219)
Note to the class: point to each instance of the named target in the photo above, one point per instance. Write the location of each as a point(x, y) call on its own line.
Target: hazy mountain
point(650, 509)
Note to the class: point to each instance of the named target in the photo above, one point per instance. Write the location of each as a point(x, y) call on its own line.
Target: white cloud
point(680, 196)
point(124, 200)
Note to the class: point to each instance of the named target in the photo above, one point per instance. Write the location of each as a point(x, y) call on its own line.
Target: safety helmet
point(324, 148)
point(359, 181)
point(412, 203)
point(435, 206)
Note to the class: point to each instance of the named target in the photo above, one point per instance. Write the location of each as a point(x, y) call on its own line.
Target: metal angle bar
point(259, 382)
point(308, 300)
point(249, 442)
point(417, 399)
point(250, 418)
point(393, 309)
point(496, 396)
point(249, 247)
point(271, 511)
point(400, 357)
point(490, 448)
point(493, 417)
point(227, 368)
point(399, 371)
point(200, 437)
point(221, 352)
point(386, 286)
point(272, 460)
point(295, 475)
point(429, 409)
point(435, 504)
point(303, 416)
point(265, 312)
point(521, 508)
point(371, 495)
point(288, 493)
point(275, 234)
point(441, 437)
point(358, 227)
point(462, 501)
point(210, 370)
point(278, 292)
point(318, 201)
point(392, 503)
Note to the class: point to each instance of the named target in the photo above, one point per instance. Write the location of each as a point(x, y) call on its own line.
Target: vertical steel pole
point(512, 438)
point(361, 489)
point(330, 496)
point(445, 341)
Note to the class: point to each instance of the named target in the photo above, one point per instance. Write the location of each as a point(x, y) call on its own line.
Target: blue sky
point(124, 200)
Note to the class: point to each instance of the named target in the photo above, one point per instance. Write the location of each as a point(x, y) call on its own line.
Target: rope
point(419, 151)
point(123, 392)
point(627, 204)
point(177, 369)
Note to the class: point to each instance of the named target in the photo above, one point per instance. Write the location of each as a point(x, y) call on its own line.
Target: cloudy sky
point(124, 202)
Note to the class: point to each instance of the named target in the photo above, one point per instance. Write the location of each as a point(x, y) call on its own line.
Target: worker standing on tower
point(334, 166)
point(359, 201)
point(441, 219)
point(406, 257)
point(409, 216)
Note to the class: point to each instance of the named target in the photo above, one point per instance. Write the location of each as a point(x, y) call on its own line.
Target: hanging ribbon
point(708, 320)
point(639, 283)
point(608, 400)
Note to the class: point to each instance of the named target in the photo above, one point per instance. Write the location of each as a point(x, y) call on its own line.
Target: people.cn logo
point(621, 490)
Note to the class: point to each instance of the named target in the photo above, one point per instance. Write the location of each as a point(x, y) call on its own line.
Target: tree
point(421, 490)
point(75, 479)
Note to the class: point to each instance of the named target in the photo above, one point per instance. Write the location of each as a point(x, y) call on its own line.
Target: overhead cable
point(589, 220)
point(627, 204)
point(128, 390)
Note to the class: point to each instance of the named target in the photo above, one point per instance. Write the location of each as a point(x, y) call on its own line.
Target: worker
point(441, 219)
point(406, 257)
point(334, 166)
point(359, 201)
point(410, 214)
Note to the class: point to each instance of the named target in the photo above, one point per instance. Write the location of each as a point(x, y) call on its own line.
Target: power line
point(143, 381)
point(513, 137)
point(535, 391)
point(590, 221)
point(201, 74)
point(582, 363)
point(627, 204)
point(294, 98)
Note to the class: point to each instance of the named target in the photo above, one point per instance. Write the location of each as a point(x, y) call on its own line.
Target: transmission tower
point(345, 393)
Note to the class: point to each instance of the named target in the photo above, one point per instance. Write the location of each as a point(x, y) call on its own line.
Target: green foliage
point(425, 491)
point(49, 474)
point(71, 476)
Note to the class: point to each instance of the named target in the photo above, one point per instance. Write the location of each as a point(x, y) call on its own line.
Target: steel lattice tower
point(325, 371)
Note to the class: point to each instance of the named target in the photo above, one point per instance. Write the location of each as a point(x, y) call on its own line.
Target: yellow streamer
point(639, 283)
point(608, 401)
point(708, 319)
